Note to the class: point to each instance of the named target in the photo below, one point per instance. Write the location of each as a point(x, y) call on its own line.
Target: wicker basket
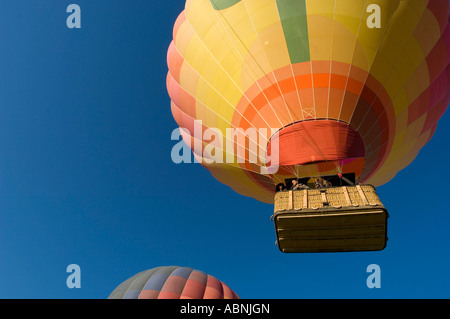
point(348, 218)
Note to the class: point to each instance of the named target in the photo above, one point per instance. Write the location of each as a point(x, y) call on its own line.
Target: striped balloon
point(172, 282)
point(348, 86)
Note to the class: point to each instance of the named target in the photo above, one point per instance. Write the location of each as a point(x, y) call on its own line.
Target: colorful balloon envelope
point(172, 282)
point(329, 86)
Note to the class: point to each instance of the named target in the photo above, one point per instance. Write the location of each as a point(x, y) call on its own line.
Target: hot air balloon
point(172, 282)
point(342, 91)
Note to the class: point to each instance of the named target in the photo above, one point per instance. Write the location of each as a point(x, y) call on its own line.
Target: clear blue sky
point(86, 175)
